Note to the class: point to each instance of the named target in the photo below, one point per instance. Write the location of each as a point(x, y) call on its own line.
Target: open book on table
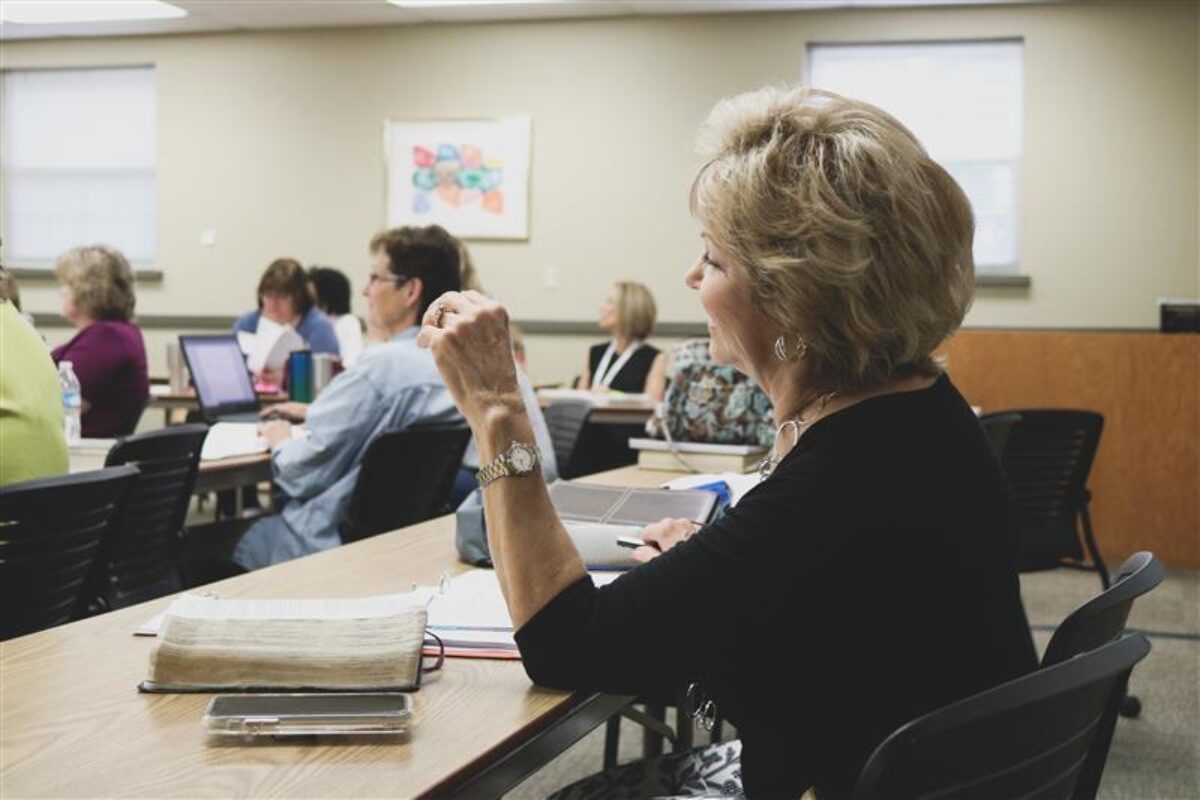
point(207, 644)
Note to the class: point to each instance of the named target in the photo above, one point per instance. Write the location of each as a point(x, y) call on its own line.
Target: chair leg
point(652, 742)
point(685, 731)
point(1090, 542)
point(612, 740)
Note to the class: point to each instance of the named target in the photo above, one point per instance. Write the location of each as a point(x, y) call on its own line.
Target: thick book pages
point(700, 462)
point(366, 644)
point(698, 456)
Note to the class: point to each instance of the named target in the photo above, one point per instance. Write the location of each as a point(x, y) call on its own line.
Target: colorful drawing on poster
point(456, 176)
point(470, 177)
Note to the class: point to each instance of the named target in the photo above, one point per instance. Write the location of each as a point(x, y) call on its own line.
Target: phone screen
point(309, 705)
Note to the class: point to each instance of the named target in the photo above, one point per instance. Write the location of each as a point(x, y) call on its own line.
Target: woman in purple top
point(107, 354)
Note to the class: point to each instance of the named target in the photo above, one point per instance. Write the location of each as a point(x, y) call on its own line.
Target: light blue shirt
point(392, 386)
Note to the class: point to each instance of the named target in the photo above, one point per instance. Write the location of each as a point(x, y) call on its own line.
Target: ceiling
point(242, 15)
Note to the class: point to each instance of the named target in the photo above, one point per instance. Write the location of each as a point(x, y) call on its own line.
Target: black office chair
point(141, 561)
point(51, 531)
point(565, 419)
point(1102, 619)
point(406, 478)
point(1046, 456)
point(1044, 735)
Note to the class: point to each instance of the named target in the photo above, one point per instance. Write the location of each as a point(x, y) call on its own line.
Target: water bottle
point(72, 402)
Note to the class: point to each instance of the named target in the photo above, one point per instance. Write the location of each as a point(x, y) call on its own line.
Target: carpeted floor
point(1154, 756)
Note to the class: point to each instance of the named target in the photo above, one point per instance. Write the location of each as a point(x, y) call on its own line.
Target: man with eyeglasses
point(391, 386)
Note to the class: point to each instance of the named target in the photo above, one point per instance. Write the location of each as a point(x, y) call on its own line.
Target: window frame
point(37, 269)
point(1006, 274)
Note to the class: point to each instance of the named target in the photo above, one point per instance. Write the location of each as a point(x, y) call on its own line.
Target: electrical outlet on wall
point(208, 237)
point(549, 277)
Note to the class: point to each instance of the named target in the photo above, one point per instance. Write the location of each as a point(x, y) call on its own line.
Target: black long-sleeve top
point(870, 579)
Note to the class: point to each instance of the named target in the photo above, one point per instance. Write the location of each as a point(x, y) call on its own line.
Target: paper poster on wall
point(469, 176)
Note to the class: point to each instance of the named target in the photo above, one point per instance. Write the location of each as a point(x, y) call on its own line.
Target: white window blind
point(964, 101)
point(79, 151)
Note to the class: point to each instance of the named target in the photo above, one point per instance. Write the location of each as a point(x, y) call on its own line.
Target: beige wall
point(275, 141)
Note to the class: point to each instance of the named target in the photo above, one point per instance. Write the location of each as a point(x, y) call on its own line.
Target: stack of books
point(697, 456)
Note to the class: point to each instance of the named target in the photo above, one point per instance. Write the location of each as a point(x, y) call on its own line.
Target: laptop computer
point(223, 384)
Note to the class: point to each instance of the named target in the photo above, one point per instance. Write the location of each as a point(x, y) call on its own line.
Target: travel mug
point(300, 376)
point(324, 368)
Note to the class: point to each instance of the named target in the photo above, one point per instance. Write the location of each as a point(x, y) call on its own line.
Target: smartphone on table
point(309, 714)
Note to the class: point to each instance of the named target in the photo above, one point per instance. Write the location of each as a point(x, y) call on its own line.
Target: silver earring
point(782, 352)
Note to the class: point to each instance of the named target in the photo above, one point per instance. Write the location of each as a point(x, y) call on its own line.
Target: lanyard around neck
point(605, 378)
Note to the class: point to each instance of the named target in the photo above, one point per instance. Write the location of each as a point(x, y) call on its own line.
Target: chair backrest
point(1046, 456)
point(141, 559)
point(1102, 619)
point(406, 478)
point(565, 419)
point(1044, 735)
point(51, 531)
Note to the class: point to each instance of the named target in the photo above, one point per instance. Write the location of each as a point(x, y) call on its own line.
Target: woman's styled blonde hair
point(100, 281)
point(636, 311)
point(854, 239)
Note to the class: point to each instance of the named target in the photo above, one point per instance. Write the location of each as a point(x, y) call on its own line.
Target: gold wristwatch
point(518, 458)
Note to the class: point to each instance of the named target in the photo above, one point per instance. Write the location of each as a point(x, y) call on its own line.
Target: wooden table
point(73, 724)
point(233, 473)
point(224, 473)
point(162, 396)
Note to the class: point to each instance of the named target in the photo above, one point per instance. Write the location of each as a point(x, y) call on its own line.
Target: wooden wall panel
point(1146, 479)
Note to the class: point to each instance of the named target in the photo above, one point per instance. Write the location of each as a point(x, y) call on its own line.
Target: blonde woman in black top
point(870, 577)
point(626, 363)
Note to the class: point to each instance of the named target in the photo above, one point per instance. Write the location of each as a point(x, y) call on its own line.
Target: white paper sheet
point(229, 439)
point(738, 483)
point(272, 344)
point(473, 601)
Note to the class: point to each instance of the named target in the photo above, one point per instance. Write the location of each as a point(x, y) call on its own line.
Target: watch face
point(521, 458)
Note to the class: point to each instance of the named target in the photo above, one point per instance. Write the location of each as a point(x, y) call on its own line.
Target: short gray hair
point(100, 281)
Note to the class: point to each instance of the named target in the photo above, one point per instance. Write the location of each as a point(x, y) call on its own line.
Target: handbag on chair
point(709, 402)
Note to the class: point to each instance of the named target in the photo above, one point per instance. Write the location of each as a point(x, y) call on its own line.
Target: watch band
point(494, 470)
point(519, 458)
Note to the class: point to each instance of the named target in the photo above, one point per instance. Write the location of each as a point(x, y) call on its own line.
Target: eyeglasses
point(398, 280)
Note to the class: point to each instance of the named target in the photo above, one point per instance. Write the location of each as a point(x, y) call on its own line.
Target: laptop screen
point(218, 371)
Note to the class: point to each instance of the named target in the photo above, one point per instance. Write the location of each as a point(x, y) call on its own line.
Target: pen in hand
point(633, 543)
